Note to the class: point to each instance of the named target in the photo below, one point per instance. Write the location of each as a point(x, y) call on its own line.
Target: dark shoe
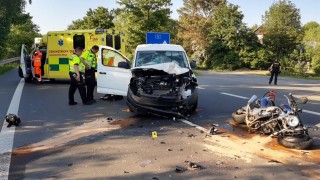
point(93, 101)
point(87, 103)
point(72, 103)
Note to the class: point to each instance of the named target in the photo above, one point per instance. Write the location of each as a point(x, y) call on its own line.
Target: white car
point(160, 81)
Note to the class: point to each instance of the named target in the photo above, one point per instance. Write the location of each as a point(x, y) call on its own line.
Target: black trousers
point(90, 82)
point(74, 84)
point(275, 74)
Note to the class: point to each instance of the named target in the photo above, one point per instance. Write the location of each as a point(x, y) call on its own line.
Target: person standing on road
point(76, 72)
point(89, 58)
point(274, 69)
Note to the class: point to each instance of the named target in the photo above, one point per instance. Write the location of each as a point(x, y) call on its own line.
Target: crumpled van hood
point(170, 68)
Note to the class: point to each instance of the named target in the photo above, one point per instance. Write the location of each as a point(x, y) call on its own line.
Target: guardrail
point(9, 61)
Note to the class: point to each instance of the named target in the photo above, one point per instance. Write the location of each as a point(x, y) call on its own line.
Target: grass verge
point(6, 68)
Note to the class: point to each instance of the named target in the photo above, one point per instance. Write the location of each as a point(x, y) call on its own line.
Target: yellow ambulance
point(60, 46)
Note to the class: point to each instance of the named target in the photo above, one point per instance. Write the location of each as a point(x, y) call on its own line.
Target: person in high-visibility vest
point(37, 56)
point(89, 58)
point(76, 72)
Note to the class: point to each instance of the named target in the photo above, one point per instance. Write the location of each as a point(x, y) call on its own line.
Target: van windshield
point(147, 58)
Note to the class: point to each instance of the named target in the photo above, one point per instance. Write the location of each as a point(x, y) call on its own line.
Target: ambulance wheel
point(20, 72)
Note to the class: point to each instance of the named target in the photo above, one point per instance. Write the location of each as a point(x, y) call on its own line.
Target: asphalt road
point(106, 141)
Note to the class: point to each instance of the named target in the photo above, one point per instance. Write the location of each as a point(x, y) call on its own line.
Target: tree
point(231, 44)
point(282, 26)
point(194, 25)
point(310, 25)
point(137, 17)
point(18, 36)
point(311, 42)
point(9, 10)
point(98, 18)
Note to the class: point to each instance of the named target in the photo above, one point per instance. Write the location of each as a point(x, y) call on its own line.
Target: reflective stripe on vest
point(74, 59)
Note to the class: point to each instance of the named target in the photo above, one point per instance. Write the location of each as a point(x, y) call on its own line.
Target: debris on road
point(70, 164)
point(180, 169)
point(145, 163)
point(194, 166)
point(162, 142)
point(213, 130)
point(273, 161)
point(154, 134)
point(169, 149)
point(12, 119)
point(125, 172)
point(191, 135)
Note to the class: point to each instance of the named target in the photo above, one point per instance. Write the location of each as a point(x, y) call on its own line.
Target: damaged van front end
point(157, 92)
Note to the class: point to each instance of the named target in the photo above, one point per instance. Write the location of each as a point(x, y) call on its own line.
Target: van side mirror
point(193, 64)
point(124, 64)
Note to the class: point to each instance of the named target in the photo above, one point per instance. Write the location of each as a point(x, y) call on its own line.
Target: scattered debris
point(155, 178)
point(273, 161)
point(145, 163)
point(191, 135)
point(141, 126)
point(162, 142)
point(201, 131)
point(111, 97)
point(180, 169)
point(12, 119)
point(174, 118)
point(305, 153)
point(109, 119)
point(125, 172)
point(237, 156)
point(261, 149)
point(194, 166)
point(219, 163)
point(70, 164)
point(169, 149)
point(213, 130)
point(154, 134)
point(180, 149)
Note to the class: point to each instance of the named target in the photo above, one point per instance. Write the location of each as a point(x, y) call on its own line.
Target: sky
point(56, 15)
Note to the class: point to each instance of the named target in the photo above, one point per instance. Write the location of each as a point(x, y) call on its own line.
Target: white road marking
point(7, 134)
point(310, 112)
point(233, 95)
point(242, 97)
point(194, 125)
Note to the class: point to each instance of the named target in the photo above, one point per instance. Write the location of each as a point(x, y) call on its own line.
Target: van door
point(112, 79)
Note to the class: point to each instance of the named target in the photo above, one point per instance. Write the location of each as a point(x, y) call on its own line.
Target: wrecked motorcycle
point(267, 99)
point(281, 121)
point(293, 133)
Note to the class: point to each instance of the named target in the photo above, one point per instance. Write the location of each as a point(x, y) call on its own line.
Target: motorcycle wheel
point(300, 142)
point(239, 116)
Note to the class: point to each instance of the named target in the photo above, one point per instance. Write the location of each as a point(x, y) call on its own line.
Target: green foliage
point(18, 36)
point(9, 10)
point(137, 17)
point(6, 68)
point(97, 18)
point(283, 28)
point(311, 42)
point(194, 25)
point(310, 25)
point(232, 44)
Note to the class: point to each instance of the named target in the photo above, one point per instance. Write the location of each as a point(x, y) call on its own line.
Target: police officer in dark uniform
point(274, 69)
point(89, 58)
point(76, 72)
